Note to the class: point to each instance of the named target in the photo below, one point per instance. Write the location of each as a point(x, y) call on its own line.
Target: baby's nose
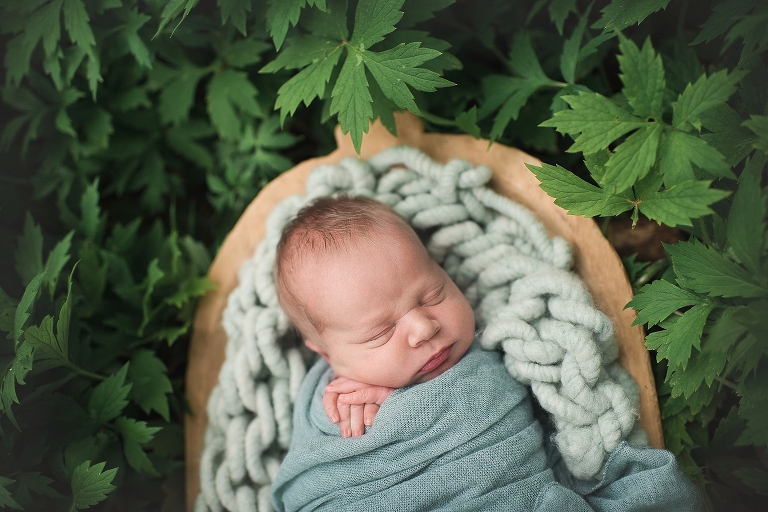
point(422, 328)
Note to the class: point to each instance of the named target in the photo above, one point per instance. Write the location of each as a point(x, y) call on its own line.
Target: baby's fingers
point(330, 406)
point(369, 413)
point(343, 385)
point(345, 420)
point(370, 395)
point(356, 420)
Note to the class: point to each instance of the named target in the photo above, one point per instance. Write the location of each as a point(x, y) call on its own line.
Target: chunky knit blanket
point(466, 440)
point(527, 303)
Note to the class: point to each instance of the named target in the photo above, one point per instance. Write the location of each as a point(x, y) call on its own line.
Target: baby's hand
point(353, 404)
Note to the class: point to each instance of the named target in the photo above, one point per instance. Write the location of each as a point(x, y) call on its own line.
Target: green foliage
point(328, 49)
point(90, 485)
point(135, 132)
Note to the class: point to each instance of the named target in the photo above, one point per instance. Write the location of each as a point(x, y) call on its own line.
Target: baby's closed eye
point(434, 297)
point(382, 336)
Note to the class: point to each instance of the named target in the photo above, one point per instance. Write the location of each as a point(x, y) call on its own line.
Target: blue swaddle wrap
point(466, 440)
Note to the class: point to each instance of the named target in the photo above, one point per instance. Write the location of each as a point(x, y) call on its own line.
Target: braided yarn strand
point(527, 303)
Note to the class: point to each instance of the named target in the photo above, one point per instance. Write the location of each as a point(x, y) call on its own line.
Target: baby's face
point(388, 314)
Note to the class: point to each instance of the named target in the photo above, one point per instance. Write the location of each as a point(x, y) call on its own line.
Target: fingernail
point(369, 421)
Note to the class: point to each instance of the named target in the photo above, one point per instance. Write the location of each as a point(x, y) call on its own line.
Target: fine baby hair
point(327, 225)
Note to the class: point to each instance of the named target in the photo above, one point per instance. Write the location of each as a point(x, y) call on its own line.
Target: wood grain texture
point(595, 261)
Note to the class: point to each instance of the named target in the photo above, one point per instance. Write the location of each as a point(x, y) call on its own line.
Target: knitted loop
point(527, 304)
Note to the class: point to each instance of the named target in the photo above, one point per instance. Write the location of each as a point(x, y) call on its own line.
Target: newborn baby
point(448, 428)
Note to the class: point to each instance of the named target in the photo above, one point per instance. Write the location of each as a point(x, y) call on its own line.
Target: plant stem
point(437, 119)
point(725, 382)
point(650, 271)
point(85, 373)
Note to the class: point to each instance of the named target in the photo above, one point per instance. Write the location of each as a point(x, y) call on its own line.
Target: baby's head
point(360, 287)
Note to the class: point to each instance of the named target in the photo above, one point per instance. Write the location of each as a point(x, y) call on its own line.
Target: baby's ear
point(315, 348)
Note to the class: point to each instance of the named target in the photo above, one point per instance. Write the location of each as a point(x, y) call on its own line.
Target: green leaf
point(570, 56)
point(329, 20)
point(93, 74)
point(576, 195)
point(46, 345)
point(725, 14)
point(281, 13)
point(92, 275)
point(559, 10)
point(523, 59)
point(416, 11)
point(227, 90)
point(702, 368)
point(64, 123)
point(303, 51)
point(90, 485)
point(189, 289)
point(374, 19)
point(706, 93)
point(755, 478)
point(351, 100)
point(236, 11)
point(620, 14)
point(42, 24)
point(685, 334)
point(151, 385)
point(245, 52)
point(659, 299)
point(704, 270)
point(679, 150)
point(746, 220)
point(759, 125)
point(172, 9)
point(29, 252)
point(517, 91)
point(171, 334)
point(154, 275)
point(65, 314)
point(597, 119)
point(307, 84)
point(97, 128)
point(5, 495)
point(467, 121)
point(90, 211)
point(18, 370)
point(177, 97)
point(76, 22)
point(134, 434)
point(57, 258)
point(109, 398)
point(135, 42)
point(34, 481)
point(396, 69)
point(642, 73)
point(182, 139)
point(632, 159)
point(25, 305)
point(678, 205)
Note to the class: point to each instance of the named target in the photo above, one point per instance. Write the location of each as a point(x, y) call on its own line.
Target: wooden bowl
point(596, 262)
